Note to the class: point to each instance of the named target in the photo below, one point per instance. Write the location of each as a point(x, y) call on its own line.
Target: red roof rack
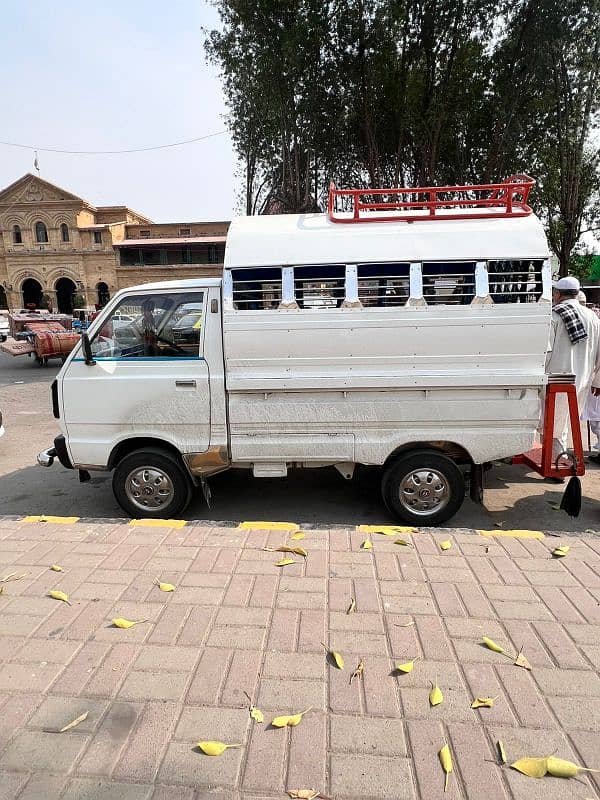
point(482, 201)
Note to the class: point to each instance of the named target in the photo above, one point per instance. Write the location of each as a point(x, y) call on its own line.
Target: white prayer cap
point(568, 284)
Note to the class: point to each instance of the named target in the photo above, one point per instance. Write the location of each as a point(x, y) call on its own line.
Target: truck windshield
point(152, 326)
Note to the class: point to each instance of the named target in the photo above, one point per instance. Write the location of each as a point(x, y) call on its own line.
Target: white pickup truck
point(413, 337)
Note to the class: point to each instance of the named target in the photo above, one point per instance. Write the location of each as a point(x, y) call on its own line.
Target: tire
point(164, 487)
point(428, 469)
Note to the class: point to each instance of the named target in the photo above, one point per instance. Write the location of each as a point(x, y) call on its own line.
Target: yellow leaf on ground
point(256, 714)
point(56, 568)
point(502, 752)
point(560, 552)
point(290, 721)
point(446, 545)
point(56, 595)
point(446, 762)
point(75, 722)
point(165, 587)
point(215, 748)
point(367, 544)
point(284, 562)
point(352, 607)
point(483, 702)
point(297, 536)
point(491, 645)
point(435, 696)
point(532, 767)
point(561, 768)
point(407, 667)
point(119, 622)
point(300, 551)
point(13, 576)
point(521, 661)
point(302, 794)
point(360, 668)
point(334, 656)
point(404, 542)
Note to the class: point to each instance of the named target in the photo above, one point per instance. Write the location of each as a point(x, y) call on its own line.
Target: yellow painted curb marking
point(387, 530)
point(514, 534)
point(158, 523)
point(53, 520)
point(268, 526)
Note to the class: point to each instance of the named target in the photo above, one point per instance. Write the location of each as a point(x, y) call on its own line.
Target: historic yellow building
point(60, 251)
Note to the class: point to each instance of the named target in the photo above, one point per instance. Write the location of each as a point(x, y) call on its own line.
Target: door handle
point(190, 384)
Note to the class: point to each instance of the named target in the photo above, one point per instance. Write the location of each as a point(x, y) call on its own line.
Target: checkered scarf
point(573, 324)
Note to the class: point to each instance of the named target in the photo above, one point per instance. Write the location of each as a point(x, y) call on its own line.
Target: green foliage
point(414, 92)
point(78, 301)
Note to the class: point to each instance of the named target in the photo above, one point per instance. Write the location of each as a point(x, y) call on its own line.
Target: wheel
point(423, 487)
point(151, 484)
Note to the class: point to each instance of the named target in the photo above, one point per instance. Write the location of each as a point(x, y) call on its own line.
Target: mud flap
point(206, 490)
point(476, 487)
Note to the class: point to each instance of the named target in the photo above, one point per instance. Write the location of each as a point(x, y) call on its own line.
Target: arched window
point(103, 294)
point(17, 237)
point(41, 232)
point(64, 232)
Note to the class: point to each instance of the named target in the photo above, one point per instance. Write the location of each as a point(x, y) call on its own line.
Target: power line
point(110, 152)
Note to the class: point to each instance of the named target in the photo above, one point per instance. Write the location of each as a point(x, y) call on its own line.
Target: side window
point(153, 326)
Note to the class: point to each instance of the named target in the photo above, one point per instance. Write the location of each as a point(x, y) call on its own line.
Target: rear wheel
point(151, 484)
point(423, 487)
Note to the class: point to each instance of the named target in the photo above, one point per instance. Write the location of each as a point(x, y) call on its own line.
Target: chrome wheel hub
point(424, 491)
point(149, 487)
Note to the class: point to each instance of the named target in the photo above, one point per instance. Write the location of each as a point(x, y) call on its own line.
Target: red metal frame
point(496, 200)
point(540, 458)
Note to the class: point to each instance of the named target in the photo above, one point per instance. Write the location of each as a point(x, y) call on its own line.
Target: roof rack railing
point(478, 201)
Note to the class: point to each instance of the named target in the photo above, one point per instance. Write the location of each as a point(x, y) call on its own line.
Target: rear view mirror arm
point(87, 350)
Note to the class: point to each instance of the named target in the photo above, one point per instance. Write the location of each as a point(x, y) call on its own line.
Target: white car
point(4, 326)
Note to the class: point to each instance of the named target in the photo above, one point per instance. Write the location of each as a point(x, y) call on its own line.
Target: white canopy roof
point(293, 239)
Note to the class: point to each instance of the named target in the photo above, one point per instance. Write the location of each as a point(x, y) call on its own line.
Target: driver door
point(150, 378)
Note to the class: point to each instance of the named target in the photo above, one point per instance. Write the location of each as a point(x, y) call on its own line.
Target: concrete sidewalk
point(237, 623)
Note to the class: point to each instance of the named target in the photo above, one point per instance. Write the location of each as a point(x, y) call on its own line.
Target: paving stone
point(567, 683)
point(308, 762)
point(573, 717)
point(198, 723)
point(455, 708)
point(153, 686)
point(311, 631)
point(10, 784)
point(240, 638)
point(186, 764)
point(43, 787)
point(142, 756)
point(35, 651)
point(370, 777)
point(358, 643)
point(279, 694)
point(94, 789)
point(264, 770)
point(111, 737)
point(382, 737)
point(166, 658)
point(473, 755)
point(295, 665)
point(56, 712)
point(426, 738)
point(28, 677)
point(33, 751)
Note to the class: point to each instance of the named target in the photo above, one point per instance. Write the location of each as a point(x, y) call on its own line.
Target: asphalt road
point(514, 498)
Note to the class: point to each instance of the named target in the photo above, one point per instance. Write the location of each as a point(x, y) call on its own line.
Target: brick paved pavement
point(237, 623)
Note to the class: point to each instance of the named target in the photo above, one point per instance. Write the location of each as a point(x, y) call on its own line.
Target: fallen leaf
point(284, 562)
point(13, 576)
point(387, 530)
point(290, 721)
point(358, 671)
point(352, 607)
point(302, 794)
point(446, 762)
point(502, 752)
point(75, 722)
point(554, 506)
point(367, 544)
point(435, 696)
point(215, 748)
point(164, 587)
point(446, 545)
point(404, 624)
point(407, 666)
point(56, 595)
point(561, 768)
point(532, 767)
point(255, 713)
point(297, 536)
point(483, 702)
point(403, 542)
point(491, 645)
point(300, 551)
point(119, 622)
point(521, 661)
point(1, 589)
point(56, 568)
point(560, 552)
point(335, 657)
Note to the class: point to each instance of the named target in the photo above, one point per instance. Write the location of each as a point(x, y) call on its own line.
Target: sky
point(114, 75)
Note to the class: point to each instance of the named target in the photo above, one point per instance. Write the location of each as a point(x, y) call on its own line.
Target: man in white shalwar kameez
point(573, 348)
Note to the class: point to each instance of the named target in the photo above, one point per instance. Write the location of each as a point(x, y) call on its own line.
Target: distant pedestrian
point(573, 349)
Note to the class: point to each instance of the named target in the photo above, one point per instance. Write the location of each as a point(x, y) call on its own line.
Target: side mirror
point(87, 350)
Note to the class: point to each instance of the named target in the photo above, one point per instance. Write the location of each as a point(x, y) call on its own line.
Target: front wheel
point(423, 487)
point(151, 484)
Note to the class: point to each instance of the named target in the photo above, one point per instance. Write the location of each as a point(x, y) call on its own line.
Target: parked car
point(4, 326)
